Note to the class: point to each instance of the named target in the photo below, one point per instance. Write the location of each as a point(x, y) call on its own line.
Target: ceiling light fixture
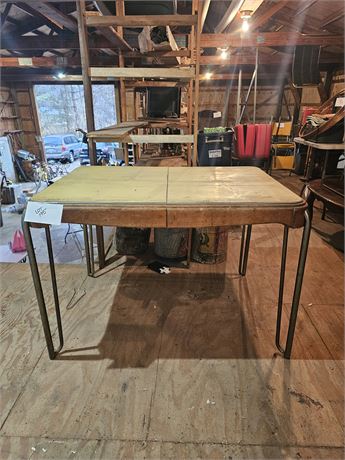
point(245, 16)
point(224, 53)
point(245, 26)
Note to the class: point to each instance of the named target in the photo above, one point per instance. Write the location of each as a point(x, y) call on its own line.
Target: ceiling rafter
point(261, 18)
point(5, 13)
point(109, 32)
point(333, 17)
point(52, 15)
point(36, 14)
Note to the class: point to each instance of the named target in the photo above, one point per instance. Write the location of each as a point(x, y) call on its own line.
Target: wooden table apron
point(174, 198)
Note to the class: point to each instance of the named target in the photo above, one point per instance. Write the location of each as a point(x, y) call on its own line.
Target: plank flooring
point(177, 366)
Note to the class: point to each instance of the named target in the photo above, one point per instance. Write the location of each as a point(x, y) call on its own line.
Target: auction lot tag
point(43, 213)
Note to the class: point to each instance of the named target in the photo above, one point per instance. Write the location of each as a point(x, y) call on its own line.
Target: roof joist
point(268, 39)
point(140, 21)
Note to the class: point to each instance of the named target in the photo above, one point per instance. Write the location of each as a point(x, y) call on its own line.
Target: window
point(61, 108)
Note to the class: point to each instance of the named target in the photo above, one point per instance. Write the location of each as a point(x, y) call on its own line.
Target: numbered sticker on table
point(43, 213)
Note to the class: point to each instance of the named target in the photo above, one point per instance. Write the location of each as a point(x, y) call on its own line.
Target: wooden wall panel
point(215, 98)
point(7, 110)
point(27, 111)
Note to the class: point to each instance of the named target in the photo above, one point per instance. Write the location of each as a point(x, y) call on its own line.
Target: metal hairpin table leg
point(87, 250)
point(38, 289)
point(281, 288)
point(298, 286)
point(189, 246)
point(92, 254)
point(244, 251)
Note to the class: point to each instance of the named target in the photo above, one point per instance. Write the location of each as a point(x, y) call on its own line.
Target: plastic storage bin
point(214, 149)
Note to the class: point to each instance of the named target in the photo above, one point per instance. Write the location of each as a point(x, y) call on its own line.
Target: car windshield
point(52, 141)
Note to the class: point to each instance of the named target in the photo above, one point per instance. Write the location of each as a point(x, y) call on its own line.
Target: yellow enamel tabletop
point(173, 186)
point(101, 185)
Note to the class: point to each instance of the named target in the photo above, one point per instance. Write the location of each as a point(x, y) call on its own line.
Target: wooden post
point(297, 95)
point(120, 11)
point(190, 97)
point(85, 64)
point(197, 84)
point(37, 123)
point(90, 121)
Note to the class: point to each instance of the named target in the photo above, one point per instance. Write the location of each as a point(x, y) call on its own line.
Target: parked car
point(105, 151)
point(62, 147)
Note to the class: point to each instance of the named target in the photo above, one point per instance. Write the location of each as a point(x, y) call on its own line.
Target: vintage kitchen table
point(312, 147)
point(174, 197)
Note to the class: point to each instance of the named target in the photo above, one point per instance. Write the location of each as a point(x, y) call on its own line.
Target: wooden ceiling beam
point(5, 13)
point(109, 32)
point(259, 19)
point(333, 17)
point(141, 21)
point(204, 11)
point(157, 53)
point(268, 39)
point(44, 61)
point(68, 41)
point(54, 42)
point(30, 25)
point(53, 24)
point(243, 59)
point(265, 61)
point(154, 84)
point(54, 15)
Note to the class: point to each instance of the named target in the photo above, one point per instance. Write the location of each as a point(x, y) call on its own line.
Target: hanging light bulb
point(208, 75)
point(245, 16)
point(224, 53)
point(245, 25)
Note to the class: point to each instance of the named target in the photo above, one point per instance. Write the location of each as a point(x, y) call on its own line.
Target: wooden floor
point(177, 366)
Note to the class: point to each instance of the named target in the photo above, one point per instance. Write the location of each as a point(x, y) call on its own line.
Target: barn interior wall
point(7, 109)
point(20, 114)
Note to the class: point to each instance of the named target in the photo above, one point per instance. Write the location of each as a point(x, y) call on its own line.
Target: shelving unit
point(158, 76)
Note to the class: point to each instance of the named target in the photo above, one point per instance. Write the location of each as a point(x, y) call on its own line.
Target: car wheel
point(71, 157)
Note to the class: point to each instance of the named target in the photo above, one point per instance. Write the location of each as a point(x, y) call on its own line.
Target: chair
point(282, 145)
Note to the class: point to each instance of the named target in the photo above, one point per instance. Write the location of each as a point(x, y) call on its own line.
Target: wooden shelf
point(174, 75)
point(142, 72)
point(141, 21)
point(160, 138)
point(123, 133)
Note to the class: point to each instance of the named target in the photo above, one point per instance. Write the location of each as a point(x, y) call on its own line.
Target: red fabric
point(249, 142)
point(18, 243)
point(239, 140)
point(263, 140)
point(306, 112)
point(257, 142)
